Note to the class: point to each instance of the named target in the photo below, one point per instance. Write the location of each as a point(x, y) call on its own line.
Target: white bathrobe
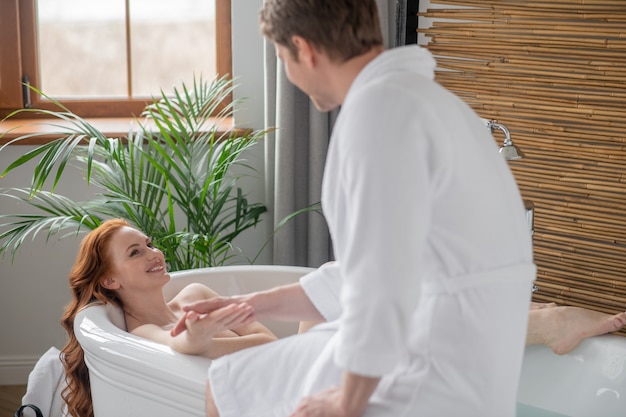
point(431, 287)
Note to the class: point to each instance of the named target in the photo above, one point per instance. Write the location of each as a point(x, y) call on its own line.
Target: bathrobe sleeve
point(379, 200)
point(323, 287)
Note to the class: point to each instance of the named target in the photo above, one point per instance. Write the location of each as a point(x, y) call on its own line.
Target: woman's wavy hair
point(86, 276)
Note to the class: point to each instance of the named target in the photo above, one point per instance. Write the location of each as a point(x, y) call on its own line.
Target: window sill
point(47, 130)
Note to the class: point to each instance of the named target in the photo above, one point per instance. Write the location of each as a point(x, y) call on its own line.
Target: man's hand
point(207, 325)
point(323, 404)
point(349, 400)
point(200, 311)
point(198, 339)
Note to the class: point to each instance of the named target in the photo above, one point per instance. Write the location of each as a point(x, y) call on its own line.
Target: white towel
point(45, 383)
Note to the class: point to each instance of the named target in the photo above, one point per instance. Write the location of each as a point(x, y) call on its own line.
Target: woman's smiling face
point(135, 262)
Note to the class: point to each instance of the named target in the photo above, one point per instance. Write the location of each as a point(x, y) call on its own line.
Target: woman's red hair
point(91, 266)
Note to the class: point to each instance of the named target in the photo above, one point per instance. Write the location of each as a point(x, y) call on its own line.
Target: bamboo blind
point(553, 72)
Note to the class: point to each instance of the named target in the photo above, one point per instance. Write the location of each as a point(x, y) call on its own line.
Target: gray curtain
point(296, 151)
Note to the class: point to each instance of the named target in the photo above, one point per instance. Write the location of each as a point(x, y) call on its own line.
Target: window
point(107, 58)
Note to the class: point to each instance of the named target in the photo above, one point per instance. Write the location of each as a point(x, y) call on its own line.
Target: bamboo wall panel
point(554, 73)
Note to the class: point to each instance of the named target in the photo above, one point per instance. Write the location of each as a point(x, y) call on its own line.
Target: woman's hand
point(199, 310)
point(201, 328)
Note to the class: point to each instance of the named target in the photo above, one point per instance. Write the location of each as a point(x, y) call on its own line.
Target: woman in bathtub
point(118, 264)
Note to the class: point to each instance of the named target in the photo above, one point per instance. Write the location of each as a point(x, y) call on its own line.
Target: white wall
point(34, 288)
point(247, 46)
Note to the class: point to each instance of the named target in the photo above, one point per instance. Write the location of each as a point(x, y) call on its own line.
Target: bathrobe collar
point(410, 58)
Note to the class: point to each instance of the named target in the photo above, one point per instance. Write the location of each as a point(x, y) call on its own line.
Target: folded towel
point(45, 383)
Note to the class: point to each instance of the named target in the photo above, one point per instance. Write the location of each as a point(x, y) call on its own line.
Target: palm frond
point(58, 214)
point(74, 133)
point(172, 178)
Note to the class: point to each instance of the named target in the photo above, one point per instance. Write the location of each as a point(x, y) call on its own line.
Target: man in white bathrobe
point(426, 306)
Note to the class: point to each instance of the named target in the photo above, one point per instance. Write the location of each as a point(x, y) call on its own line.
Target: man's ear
point(306, 50)
point(110, 283)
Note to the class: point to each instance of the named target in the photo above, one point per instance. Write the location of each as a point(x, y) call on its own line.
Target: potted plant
point(171, 178)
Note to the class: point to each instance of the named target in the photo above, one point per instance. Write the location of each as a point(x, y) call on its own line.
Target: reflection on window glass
point(83, 46)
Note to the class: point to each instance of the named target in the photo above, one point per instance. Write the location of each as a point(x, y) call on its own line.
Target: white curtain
point(296, 151)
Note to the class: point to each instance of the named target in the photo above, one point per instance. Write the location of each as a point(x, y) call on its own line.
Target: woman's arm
point(211, 335)
point(206, 334)
point(238, 339)
point(242, 337)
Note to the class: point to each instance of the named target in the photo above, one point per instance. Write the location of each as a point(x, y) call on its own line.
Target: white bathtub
point(131, 376)
point(590, 381)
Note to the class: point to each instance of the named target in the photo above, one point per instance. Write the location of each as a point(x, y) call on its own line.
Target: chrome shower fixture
point(508, 149)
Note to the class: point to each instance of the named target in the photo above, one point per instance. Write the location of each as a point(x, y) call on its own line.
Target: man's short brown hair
point(342, 29)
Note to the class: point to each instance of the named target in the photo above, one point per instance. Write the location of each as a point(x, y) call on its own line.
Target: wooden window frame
point(20, 23)
point(10, 61)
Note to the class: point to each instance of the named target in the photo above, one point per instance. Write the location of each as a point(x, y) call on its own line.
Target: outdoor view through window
point(88, 49)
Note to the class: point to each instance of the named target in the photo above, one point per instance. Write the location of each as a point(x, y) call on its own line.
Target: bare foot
point(563, 328)
point(535, 305)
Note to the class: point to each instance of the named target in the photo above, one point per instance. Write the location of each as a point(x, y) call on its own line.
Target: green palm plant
point(171, 178)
